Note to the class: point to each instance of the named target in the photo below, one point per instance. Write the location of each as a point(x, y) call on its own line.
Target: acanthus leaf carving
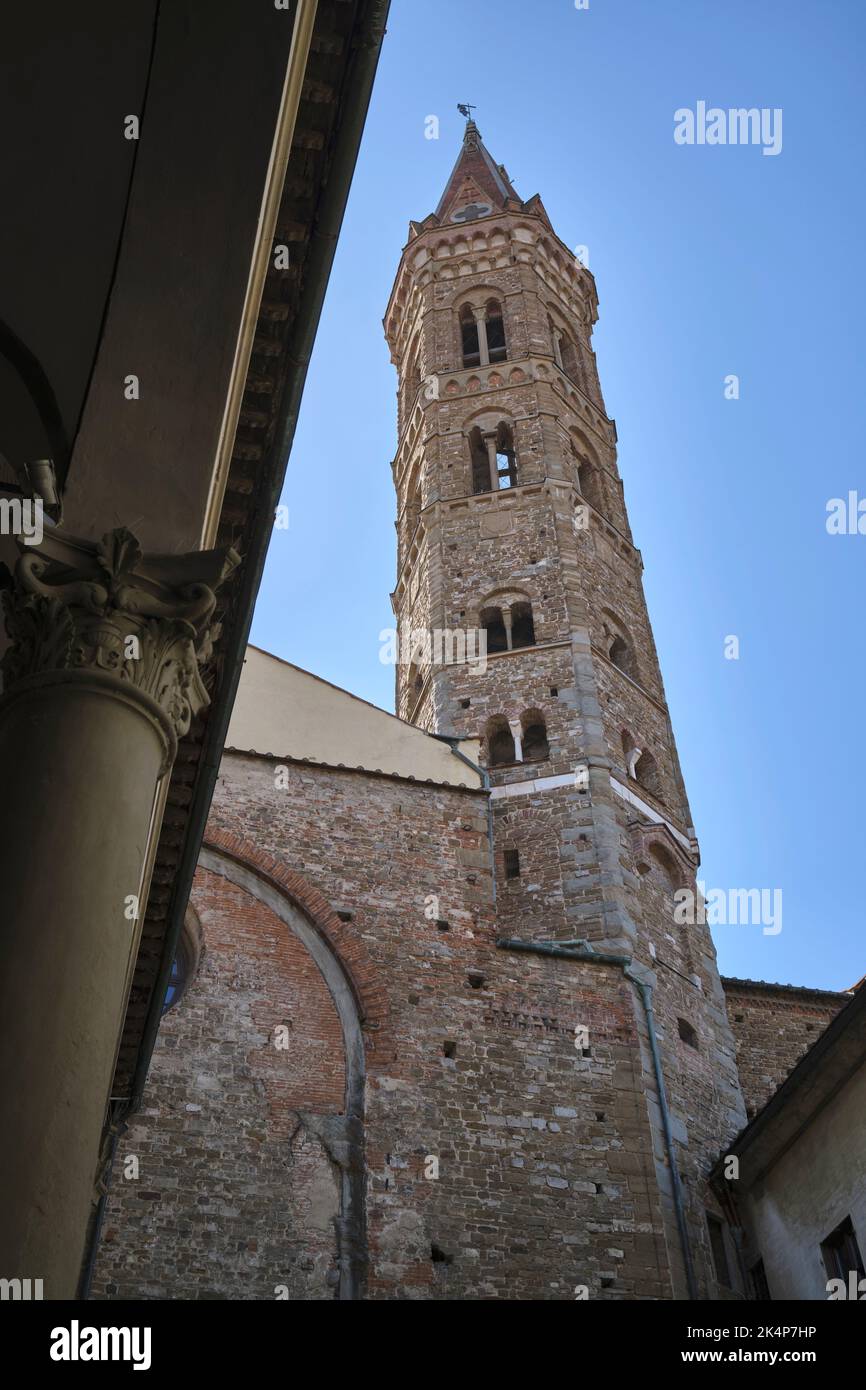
point(107, 608)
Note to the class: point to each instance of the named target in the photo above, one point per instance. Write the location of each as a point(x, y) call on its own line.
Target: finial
point(471, 134)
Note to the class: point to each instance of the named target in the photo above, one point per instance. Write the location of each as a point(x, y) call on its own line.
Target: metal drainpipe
point(581, 950)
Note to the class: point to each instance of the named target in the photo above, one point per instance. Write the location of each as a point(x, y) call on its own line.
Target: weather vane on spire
point(465, 109)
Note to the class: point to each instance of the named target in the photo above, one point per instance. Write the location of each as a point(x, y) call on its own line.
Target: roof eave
point(325, 223)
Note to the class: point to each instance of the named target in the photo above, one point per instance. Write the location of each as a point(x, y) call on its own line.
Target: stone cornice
point(580, 275)
point(536, 367)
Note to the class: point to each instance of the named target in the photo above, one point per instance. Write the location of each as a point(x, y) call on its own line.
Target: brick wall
point(234, 1195)
point(774, 1025)
point(546, 1172)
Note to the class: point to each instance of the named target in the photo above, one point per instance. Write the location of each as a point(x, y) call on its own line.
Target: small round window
point(186, 960)
point(175, 985)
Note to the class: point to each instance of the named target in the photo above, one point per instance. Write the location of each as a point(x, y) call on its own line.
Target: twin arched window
point(482, 334)
point(510, 742)
point(493, 458)
point(565, 352)
point(508, 628)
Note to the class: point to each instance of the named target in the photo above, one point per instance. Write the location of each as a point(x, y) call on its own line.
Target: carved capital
point(107, 609)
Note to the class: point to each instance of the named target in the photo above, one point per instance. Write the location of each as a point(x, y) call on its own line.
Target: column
point(101, 680)
point(557, 348)
point(517, 734)
point(490, 441)
point(483, 349)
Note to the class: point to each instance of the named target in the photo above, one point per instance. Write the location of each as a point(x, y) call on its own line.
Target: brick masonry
point(232, 1195)
point(455, 1118)
point(774, 1025)
point(546, 1176)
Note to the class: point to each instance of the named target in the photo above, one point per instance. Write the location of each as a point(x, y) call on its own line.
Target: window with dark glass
point(758, 1282)
point(841, 1252)
point(512, 863)
point(176, 981)
point(717, 1246)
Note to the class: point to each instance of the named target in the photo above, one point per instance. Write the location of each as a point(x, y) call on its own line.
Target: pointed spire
point(477, 185)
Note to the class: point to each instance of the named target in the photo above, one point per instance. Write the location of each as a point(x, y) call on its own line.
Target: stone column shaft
point(490, 441)
point(483, 349)
point(517, 734)
point(100, 682)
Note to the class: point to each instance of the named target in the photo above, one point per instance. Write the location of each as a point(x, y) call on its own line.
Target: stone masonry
point(419, 1056)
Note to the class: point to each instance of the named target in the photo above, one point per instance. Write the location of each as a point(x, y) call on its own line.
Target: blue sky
point(709, 260)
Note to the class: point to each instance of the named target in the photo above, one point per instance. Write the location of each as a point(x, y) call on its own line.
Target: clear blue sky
point(708, 261)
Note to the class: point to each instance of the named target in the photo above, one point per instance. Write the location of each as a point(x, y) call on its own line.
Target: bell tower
point(512, 529)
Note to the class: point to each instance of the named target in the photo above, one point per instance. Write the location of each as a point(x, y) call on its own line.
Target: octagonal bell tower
point(512, 523)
